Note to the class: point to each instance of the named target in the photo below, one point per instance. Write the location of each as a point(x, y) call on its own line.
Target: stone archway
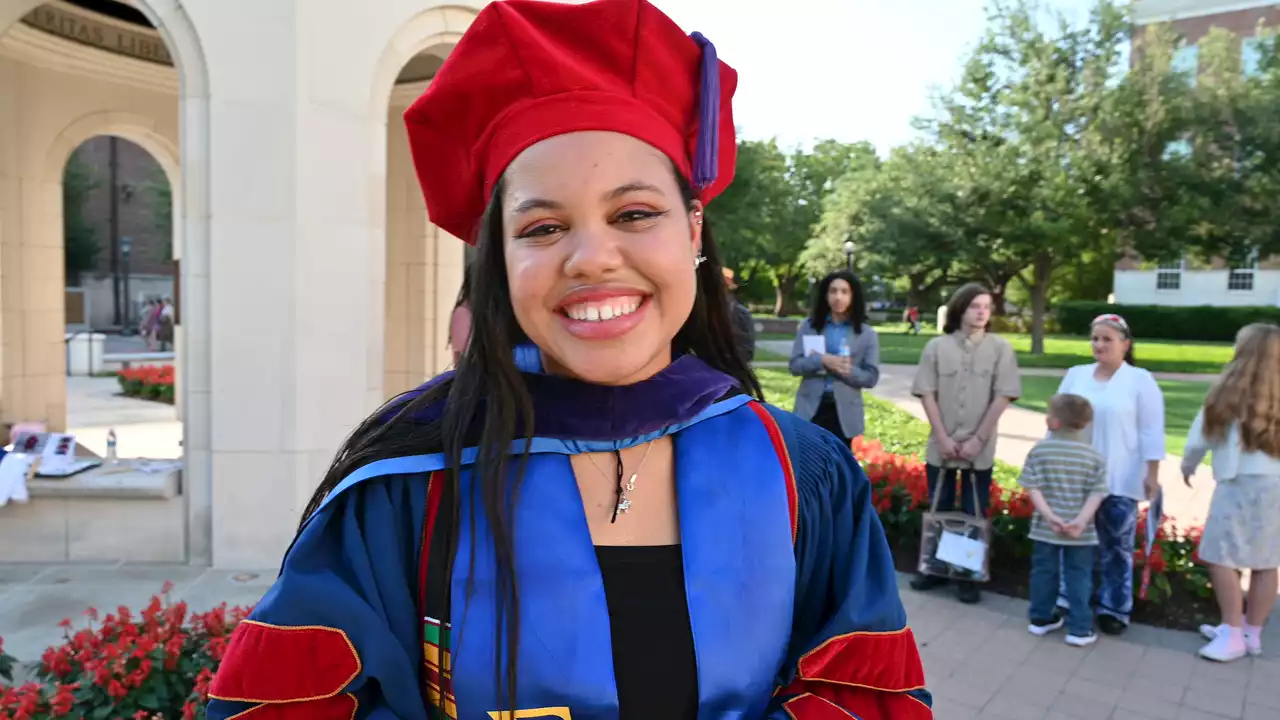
point(423, 264)
point(184, 157)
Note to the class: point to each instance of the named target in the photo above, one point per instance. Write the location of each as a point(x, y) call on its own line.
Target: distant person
point(166, 320)
point(912, 318)
point(460, 320)
point(149, 324)
point(1128, 429)
point(1240, 424)
point(1067, 481)
point(743, 324)
point(966, 379)
point(830, 395)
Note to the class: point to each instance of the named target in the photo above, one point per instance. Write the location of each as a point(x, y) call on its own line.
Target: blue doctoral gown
point(791, 588)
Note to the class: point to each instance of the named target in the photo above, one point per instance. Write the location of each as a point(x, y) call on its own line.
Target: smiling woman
point(596, 503)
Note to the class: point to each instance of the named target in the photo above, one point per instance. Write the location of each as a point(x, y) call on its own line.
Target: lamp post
point(848, 255)
point(126, 248)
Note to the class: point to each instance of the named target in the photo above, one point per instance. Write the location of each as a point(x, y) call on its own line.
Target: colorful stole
point(737, 522)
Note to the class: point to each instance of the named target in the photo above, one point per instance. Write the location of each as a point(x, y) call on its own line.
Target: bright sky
point(844, 69)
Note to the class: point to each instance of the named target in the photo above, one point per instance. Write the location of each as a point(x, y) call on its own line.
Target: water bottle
point(111, 446)
point(844, 348)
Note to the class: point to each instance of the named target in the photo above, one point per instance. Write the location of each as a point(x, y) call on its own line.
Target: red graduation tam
point(528, 70)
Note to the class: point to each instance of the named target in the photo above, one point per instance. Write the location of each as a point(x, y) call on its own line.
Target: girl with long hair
point(1240, 424)
point(594, 515)
point(830, 395)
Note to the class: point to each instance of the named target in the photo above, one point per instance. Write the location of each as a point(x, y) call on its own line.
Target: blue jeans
point(1117, 522)
point(1070, 566)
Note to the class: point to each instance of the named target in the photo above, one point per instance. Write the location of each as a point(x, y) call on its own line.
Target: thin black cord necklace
point(622, 501)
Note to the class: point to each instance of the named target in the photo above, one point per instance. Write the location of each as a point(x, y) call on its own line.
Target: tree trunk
point(783, 289)
point(915, 293)
point(1041, 272)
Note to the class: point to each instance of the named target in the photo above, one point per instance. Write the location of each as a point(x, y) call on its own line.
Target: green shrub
point(1161, 322)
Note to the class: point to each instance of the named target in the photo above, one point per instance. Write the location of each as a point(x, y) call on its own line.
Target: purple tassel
point(706, 156)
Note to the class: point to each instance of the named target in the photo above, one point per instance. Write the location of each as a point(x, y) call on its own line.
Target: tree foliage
point(765, 218)
point(1062, 147)
point(80, 241)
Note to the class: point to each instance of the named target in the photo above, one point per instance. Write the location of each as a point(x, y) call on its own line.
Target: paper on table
point(814, 344)
point(964, 552)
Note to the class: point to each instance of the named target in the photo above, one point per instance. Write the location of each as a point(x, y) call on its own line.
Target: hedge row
point(1161, 322)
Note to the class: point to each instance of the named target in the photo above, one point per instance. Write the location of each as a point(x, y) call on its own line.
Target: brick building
point(143, 214)
point(142, 183)
point(1184, 282)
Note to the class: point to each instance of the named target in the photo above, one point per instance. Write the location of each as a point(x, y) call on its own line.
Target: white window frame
point(1172, 274)
point(1250, 55)
point(1245, 277)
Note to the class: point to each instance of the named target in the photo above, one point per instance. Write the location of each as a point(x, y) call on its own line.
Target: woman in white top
point(1128, 429)
point(1240, 424)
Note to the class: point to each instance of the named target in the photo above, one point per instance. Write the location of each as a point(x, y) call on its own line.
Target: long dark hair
point(464, 292)
point(959, 303)
point(822, 306)
point(487, 391)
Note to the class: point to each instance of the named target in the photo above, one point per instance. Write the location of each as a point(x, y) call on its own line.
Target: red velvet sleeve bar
point(852, 654)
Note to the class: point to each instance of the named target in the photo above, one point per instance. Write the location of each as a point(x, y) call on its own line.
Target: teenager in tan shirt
point(966, 379)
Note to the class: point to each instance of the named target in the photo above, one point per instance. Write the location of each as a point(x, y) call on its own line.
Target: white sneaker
point(1042, 629)
point(1082, 640)
point(1252, 642)
point(1225, 647)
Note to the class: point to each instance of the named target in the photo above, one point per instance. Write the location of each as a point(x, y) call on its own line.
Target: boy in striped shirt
point(1067, 481)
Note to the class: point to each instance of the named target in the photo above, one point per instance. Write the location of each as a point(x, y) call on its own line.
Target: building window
point(1187, 60)
point(1251, 49)
point(1169, 276)
point(1241, 276)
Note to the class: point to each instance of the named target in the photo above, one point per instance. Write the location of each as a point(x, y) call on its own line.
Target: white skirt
point(1243, 529)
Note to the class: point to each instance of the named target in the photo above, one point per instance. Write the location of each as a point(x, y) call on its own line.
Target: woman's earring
point(697, 262)
point(697, 216)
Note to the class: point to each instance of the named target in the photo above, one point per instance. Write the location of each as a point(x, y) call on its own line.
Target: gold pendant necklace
point(622, 503)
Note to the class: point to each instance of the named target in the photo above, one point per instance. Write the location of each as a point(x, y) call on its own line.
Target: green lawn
point(1064, 351)
point(900, 432)
point(1182, 400)
point(769, 356)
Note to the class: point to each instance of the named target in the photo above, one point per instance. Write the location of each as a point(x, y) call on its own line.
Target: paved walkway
point(143, 428)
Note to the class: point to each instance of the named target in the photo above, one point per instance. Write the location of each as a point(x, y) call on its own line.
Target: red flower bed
point(150, 382)
point(154, 665)
point(1179, 594)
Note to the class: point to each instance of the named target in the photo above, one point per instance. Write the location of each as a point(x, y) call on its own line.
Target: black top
point(744, 336)
point(653, 656)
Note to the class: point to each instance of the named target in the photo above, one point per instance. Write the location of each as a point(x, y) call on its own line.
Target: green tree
point(158, 195)
point(1235, 143)
point(766, 216)
point(900, 218)
point(1029, 118)
point(80, 241)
